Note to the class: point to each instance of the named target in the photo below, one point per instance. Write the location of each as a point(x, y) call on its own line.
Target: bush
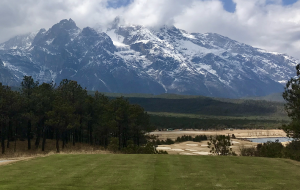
point(169, 141)
point(251, 151)
point(131, 148)
point(270, 149)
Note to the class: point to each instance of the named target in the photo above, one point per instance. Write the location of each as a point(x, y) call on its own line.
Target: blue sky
point(118, 3)
point(228, 5)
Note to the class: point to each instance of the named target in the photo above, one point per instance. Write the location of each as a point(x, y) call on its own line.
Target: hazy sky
point(270, 24)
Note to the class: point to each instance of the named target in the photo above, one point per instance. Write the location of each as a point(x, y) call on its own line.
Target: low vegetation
point(197, 138)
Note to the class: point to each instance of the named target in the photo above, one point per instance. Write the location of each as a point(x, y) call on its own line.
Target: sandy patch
point(177, 150)
point(204, 145)
point(285, 143)
point(192, 150)
point(192, 144)
point(235, 142)
point(163, 148)
point(202, 153)
point(186, 153)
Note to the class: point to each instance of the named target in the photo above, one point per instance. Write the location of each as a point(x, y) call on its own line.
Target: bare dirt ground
point(4, 162)
point(9, 161)
point(162, 135)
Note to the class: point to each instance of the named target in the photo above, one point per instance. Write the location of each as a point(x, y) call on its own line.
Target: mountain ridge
point(138, 59)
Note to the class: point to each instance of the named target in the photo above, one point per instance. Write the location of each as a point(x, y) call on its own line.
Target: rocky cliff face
point(137, 59)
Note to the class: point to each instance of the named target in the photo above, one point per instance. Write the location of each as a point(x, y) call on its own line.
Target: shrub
point(251, 151)
point(233, 136)
point(169, 141)
point(270, 149)
point(113, 144)
point(131, 148)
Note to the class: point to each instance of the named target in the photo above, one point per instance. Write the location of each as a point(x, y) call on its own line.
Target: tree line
point(67, 114)
point(210, 106)
point(177, 122)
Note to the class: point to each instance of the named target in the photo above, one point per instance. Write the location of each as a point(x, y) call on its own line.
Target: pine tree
point(292, 96)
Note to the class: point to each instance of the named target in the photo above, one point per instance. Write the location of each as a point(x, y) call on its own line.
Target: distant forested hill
point(173, 103)
point(275, 97)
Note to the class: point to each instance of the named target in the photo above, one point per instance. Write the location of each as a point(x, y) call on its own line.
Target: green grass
point(150, 172)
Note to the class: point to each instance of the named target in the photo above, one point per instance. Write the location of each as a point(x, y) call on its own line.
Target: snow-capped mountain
point(138, 59)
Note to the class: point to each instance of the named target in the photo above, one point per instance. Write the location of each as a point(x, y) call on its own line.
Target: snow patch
point(120, 44)
point(48, 42)
point(187, 35)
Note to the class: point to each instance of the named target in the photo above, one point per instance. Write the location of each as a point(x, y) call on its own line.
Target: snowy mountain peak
point(19, 42)
point(138, 59)
point(66, 24)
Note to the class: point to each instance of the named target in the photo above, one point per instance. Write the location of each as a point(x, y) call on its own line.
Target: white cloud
point(261, 23)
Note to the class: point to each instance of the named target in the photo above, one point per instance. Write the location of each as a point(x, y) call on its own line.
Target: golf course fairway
point(121, 171)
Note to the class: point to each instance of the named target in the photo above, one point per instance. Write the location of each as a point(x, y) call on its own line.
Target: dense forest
point(67, 114)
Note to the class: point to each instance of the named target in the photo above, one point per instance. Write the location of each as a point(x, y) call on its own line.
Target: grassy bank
point(150, 172)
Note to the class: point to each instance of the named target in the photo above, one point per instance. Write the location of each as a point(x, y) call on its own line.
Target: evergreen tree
point(292, 96)
point(28, 85)
point(43, 97)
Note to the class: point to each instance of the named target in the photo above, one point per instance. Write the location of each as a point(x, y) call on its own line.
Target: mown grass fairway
point(150, 172)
